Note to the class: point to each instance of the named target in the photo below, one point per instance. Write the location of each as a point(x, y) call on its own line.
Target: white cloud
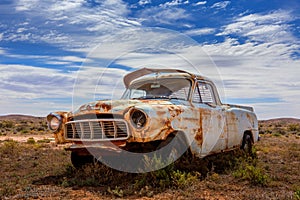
point(72, 58)
point(200, 31)
point(68, 23)
point(2, 51)
point(163, 15)
point(221, 5)
point(200, 3)
point(66, 5)
point(34, 90)
point(26, 5)
point(174, 3)
point(20, 30)
point(144, 2)
point(28, 82)
point(263, 28)
point(259, 71)
point(58, 62)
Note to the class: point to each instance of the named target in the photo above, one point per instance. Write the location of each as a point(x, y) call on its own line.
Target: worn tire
point(78, 161)
point(247, 144)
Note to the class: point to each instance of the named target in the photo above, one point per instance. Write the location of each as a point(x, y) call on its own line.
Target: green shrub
point(6, 190)
point(183, 179)
point(24, 131)
point(294, 127)
point(279, 131)
point(253, 174)
point(277, 134)
point(44, 141)
point(30, 140)
point(6, 124)
point(297, 194)
point(10, 148)
point(116, 192)
point(168, 177)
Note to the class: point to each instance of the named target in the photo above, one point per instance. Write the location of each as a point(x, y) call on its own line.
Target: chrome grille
point(96, 129)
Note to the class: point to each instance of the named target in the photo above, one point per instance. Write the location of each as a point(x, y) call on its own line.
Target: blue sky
point(50, 50)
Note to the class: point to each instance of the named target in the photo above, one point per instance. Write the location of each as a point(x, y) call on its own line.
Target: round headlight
point(138, 119)
point(54, 122)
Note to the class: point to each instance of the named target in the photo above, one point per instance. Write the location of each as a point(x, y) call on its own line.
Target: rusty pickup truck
point(167, 109)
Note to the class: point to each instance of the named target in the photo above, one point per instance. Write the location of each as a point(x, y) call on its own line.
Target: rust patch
point(105, 107)
point(160, 112)
point(165, 131)
point(199, 136)
point(174, 110)
point(199, 133)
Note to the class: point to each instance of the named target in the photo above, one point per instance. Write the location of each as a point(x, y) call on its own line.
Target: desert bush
point(44, 141)
point(253, 174)
point(294, 127)
point(167, 177)
point(279, 131)
point(6, 124)
point(248, 170)
point(277, 134)
point(30, 140)
point(116, 192)
point(160, 178)
point(6, 190)
point(9, 148)
point(181, 179)
point(297, 194)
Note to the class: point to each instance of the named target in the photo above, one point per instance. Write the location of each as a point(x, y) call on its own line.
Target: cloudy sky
point(57, 54)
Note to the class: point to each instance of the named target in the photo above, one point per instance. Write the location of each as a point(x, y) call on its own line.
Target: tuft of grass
point(297, 194)
point(277, 134)
point(250, 171)
point(181, 179)
point(253, 174)
point(168, 177)
point(44, 141)
point(30, 140)
point(294, 127)
point(116, 192)
point(7, 190)
point(9, 147)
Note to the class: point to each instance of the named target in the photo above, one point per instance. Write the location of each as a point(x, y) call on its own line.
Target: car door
point(212, 119)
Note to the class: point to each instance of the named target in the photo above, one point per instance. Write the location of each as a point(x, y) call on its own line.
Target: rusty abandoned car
point(159, 106)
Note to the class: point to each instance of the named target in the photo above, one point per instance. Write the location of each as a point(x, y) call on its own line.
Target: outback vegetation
point(18, 124)
point(38, 169)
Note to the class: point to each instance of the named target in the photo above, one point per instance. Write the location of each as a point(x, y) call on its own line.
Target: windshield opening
point(165, 88)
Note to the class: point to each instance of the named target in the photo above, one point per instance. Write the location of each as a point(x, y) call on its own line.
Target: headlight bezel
point(51, 126)
point(138, 118)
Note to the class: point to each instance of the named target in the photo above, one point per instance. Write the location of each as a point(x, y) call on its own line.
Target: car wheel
point(247, 144)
